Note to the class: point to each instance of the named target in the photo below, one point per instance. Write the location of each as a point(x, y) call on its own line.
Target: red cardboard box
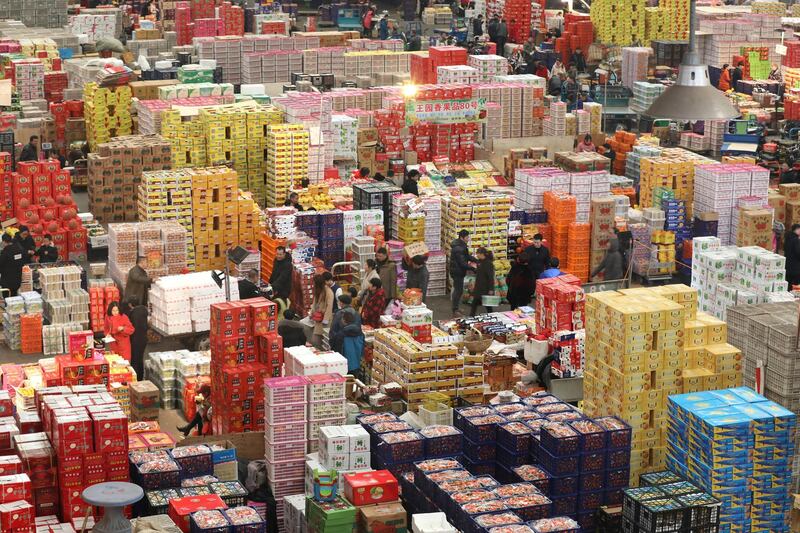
point(15, 487)
point(16, 516)
point(369, 488)
point(10, 465)
point(181, 508)
point(110, 432)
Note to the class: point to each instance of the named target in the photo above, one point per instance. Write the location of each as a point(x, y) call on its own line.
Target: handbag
point(317, 316)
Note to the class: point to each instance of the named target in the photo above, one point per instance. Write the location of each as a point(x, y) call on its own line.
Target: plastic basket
point(294, 450)
point(286, 390)
point(196, 526)
point(592, 481)
point(559, 440)
point(592, 462)
point(439, 414)
point(590, 501)
point(531, 507)
point(510, 459)
point(483, 523)
point(232, 493)
point(613, 497)
point(255, 524)
point(563, 485)
point(618, 458)
point(557, 524)
point(326, 387)
point(289, 413)
point(558, 466)
point(194, 460)
point(617, 479)
point(480, 452)
point(442, 441)
point(400, 447)
point(618, 432)
point(565, 505)
point(326, 409)
point(284, 432)
point(481, 468)
point(159, 480)
point(482, 429)
point(514, 436)
point(592, 435)
point(661, 515)
point(536, 475)
point(461, 414)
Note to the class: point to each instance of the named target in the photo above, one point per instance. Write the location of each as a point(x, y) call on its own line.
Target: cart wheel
point(202, 343)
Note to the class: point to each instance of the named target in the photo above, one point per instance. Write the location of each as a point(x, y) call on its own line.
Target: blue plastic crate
point(456, 500)
point(396, 469)
point(565, 505)
point(618, 432)
point(480, 452)
point(592, 435)
point(484, 523)
point(482, 429)
point(618, 458)
point(531, 507)
point(547, 525)
point(563, 485)
point(255, 524)
point(587, 520)
point(480, 468)
point(400, 447)
point(514, 436)
point(613, 497)
point(442, 443)
point(593, 462)
point(617, 479)
point(559, 440)
point(460, 414)
point(196, 525)
point(558, 466)
point(592, 481)
point(536, 475)
point(510, 458)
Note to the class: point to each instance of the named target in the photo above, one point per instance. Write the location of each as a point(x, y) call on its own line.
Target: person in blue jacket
point(352, 339)
point(553, 271)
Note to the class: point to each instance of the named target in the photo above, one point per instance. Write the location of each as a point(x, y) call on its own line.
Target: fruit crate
point(559, 440)
point(442, 441)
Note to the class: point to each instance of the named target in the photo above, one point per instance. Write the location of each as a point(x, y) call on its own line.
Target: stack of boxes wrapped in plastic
point(689, 354)
point(725, 276)
point(107, 112)
point(180, 304)
point(560, 315)
point(738, 446)
point(162, 245)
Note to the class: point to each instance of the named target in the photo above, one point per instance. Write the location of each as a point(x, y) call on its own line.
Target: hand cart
point(197, 341)
point(347, 274)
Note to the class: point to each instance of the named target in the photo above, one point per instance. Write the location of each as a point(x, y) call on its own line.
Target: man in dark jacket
point(491, 29)
point(47, 253)
point(578, 61)
point(12, 259)
point(410, 185)
point(334, 334)
point(537, 256)
point(138, 283)
point(611, 265)
point(248, 287)
point(477, 26)
point(418, 275)
point(24, 239)
point(502, 37)
point(737, 75)
point(137, 313)
point(30, 152)
point(387, 271)
point(460, 263)
point(291, 330)
point(281, 277)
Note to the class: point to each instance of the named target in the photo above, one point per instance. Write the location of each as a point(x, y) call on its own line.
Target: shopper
point(460, 263)
point(335, 288)
point(367, 23)
point(410, 184)
point(203, 413)
point(791, 249)
point(138, 282)
point(578, 61)
point(293, 201)
point(149, 9)
point(502, 37)
point(520, 283)
point(345, 305)
point(291, 330)
point(137, 313)
point(118, 326)
point(422, 5)
point(281, 277)
point(414, 42)
point(387, 271)
point(724, 83)
point(528, 48)
point(47, 252)
point(555, 83)
point(30, 152)
point(484, 280)
point(491, 29)
point(370, 273)
point(537, 255)
point(611, 265)
point(609, 152)
point(383, 27)
point(375, 305)
point(362, 173)
point(775, 74)
point(418, 275)
point(321, 309)
point(12, 259)
point(553, 271)
point(558, 69)
point(737, 75)
point(24, 239)
point(248, 287)
point(477, 26)
point(586, 145)
point(541, 70)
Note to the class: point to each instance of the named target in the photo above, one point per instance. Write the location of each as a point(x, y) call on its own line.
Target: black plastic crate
point(665, 514)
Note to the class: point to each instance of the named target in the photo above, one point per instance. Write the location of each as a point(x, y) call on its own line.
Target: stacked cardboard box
point(767, 334)
point(719, 187)
point(167, 196)
point(419, 368)
point(674, 168)
point(193, 90)
point(634, 64)
point(740, 428)
point(644, 94)
point(115, 170)
point(728, 276)
point(274, 66)
point(461, 74)
point(107, 111)
point(488, 66)
point(162, 244)
point(484, 216)
point(601, 219)
point(659, 345)
point(36, 13)
point(729, 33)
point(560, 207)
point(287, 160)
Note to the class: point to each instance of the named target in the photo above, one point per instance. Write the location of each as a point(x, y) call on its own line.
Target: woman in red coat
point(119, 326)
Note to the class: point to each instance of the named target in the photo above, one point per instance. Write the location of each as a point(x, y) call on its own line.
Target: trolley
point(347, 274)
